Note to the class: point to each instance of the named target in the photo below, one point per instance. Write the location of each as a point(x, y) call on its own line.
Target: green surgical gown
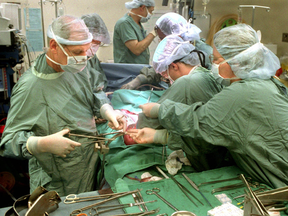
point(44, 102)
point(198, 86)
point(249, 118)
point(124, 30)
point(94, 64)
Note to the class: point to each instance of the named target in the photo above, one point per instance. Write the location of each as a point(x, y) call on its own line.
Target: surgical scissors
point(156, 191)
point(73, 198)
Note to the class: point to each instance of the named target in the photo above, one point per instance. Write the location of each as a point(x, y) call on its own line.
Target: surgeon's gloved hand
point(149, 135)
point(117, 120)
point(55, 143)
point(150, 109)
point(154, 32)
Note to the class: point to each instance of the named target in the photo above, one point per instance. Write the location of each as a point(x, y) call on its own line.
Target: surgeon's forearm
point(144, 44)
point(179, 118)
point(137, 47)
point(161, 136)
point(16, 146)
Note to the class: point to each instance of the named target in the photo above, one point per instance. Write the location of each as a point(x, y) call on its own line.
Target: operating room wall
point(271, 24)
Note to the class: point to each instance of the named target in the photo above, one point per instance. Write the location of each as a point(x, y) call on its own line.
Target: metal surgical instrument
point(140, 213)
point(156, 191)
point(73, 198)
point(260, 189)
point(195, 187)
point(101, 145)
point(218, 181)
point(185, 190)
point(150, 95)
point(77, 211)
point(182, 187)
point(119, 206)
point(229, 187)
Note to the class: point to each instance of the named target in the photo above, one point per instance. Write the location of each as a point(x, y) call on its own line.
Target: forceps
point(100, 136)
point(156, 191)
point(181, 187)
point(115, 207)
point(150, 95)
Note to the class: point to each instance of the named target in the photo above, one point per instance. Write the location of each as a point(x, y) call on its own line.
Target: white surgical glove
point(117, 120)
point(154, 32)
point(54, 143)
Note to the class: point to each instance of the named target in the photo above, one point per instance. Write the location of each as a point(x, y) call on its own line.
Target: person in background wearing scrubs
point(180, 62)
point(101, 36)
point(130, 42)
point(52, 98)
point(248, 117)
point(171, 24)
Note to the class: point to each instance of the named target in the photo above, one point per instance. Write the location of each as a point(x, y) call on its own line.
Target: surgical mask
point(72, 66)
point(170, 79)
point(75, 64)
point(221, 80)
point(143, 19)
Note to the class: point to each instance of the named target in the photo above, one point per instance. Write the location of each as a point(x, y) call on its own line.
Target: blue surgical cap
point(173, 48)
point(97, 27)
point(173, 23)
point(138, 3)
point(246, 55)
point(69, 30)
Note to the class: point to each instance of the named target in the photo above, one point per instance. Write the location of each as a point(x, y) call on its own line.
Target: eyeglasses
point(85, 58)
point(97, 43)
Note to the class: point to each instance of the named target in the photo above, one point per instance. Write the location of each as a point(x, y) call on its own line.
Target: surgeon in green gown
point(171, 24)
point(101, 36)
point(248, 117)
point(58, 95)
point(179, 62)
point(130, 40)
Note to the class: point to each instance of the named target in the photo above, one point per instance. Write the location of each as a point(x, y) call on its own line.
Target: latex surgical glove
point(117, 120)
point(154, 32)
point(55, 143)
point(150, 109)
point(149, 135)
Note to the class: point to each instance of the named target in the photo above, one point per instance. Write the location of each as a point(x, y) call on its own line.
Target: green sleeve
point(126, 32)
point(151, 75)
point(95, 64)
point(17, 131)
point(97, 81)
point(210, 121)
